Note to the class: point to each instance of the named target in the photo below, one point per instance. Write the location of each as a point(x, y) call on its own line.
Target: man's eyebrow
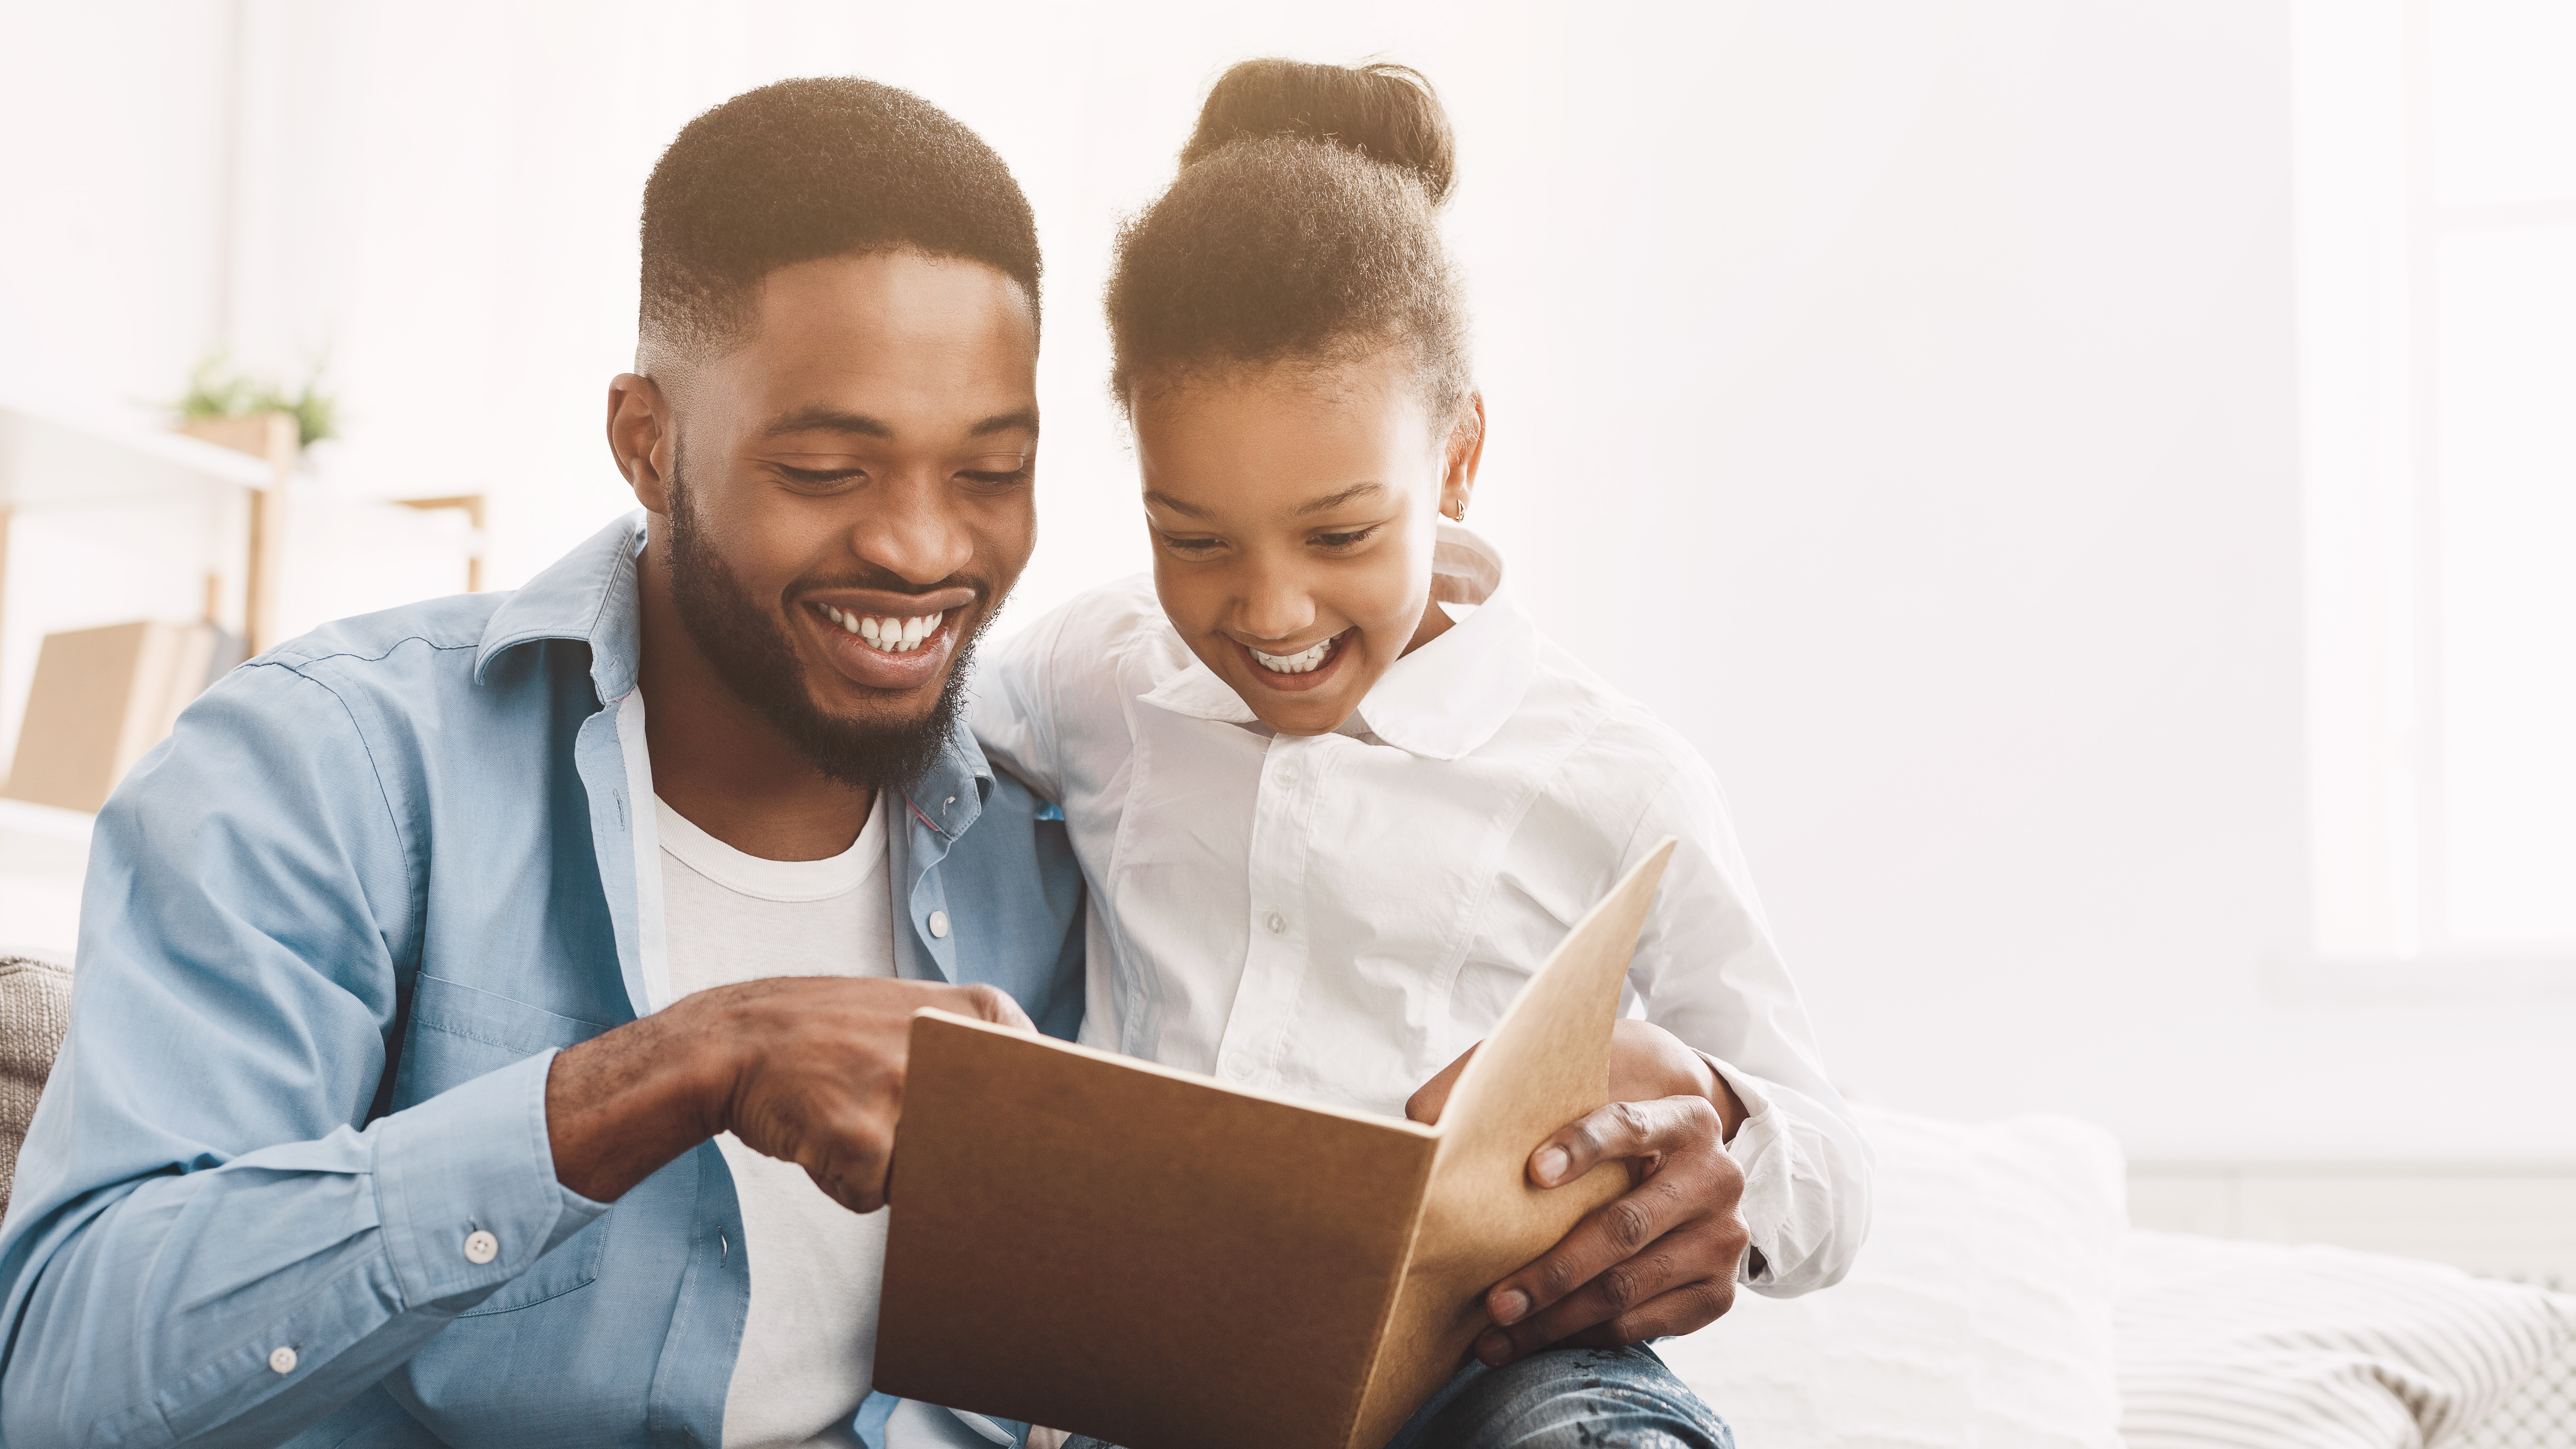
point(825, 418)
point(1165, 500)
point(1351, 494)
point(1025, 419)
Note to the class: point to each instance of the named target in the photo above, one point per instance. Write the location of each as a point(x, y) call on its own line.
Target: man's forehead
point(895, 298)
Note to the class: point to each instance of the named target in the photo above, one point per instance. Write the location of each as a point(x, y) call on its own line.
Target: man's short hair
point(823, 167)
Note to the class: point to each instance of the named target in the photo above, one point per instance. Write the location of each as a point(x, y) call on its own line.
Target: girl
point(1336, 796)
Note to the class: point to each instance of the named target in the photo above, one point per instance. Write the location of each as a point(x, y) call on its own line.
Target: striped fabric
point(2225, 1344)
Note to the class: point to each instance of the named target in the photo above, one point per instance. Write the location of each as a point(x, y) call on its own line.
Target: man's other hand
point(1659, 1259)
point(807, 1069)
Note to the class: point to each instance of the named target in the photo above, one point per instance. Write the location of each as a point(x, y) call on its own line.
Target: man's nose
point(912, 527)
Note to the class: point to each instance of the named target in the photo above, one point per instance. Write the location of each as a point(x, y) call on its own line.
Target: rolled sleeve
point(1805, 1203)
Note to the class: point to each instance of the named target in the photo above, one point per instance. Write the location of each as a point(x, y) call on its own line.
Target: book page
point(1547, 1063)
point(1101, 1244)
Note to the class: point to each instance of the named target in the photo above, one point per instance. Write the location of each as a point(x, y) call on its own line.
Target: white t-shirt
point(809, 1342)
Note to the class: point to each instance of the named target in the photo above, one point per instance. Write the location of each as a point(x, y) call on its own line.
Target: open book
point(1104, 1245)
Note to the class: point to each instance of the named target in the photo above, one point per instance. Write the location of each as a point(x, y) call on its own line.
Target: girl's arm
point(1752, 1173)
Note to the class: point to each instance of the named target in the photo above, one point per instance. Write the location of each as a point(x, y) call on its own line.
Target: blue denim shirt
point(230, 1227)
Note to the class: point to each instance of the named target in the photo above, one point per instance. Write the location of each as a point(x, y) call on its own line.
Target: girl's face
point(1292, 517)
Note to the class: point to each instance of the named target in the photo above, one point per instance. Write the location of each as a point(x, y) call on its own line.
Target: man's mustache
point(882, 581)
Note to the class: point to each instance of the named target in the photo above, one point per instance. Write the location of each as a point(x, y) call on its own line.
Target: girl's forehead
point(1278, 430)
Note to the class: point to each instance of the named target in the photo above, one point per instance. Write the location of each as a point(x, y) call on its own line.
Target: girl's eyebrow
point(1330, 502)
point(1166, 500)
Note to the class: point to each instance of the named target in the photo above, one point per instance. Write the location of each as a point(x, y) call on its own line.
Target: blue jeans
point(1568, 1398)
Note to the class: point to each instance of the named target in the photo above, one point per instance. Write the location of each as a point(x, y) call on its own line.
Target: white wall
point(1898, 395)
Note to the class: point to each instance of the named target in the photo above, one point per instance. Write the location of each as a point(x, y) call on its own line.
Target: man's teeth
point(891, 636)
point(1310, 657)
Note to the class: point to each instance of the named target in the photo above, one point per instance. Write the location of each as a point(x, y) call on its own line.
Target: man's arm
point(207, 1242)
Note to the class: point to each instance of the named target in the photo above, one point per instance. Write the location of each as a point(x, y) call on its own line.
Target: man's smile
point(885, 641)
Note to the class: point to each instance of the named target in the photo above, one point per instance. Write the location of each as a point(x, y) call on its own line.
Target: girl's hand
point(1660, 1259)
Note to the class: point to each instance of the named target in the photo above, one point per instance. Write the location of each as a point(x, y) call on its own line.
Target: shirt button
point(1287, 777)
point(1275, 923)
point(281, 1359)
point(939, 923)
point(1238, 1064)
point(481, 1247)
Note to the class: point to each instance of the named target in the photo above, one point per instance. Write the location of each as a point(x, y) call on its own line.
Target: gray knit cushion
point(35, 1011)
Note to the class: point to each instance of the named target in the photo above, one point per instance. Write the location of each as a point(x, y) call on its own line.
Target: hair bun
point(1384, 112)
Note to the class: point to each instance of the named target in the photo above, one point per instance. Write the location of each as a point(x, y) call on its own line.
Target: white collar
point(1442, 700)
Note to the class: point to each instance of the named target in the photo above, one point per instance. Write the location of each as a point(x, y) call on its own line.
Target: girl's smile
point(1307, 668)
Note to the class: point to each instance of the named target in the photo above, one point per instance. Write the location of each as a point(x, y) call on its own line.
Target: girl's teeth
point(1303, 661)
point(887, 635)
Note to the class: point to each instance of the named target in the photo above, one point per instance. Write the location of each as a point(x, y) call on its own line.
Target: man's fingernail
point(1551, 1163)
point(1492, 1348)
point(1511, 1306)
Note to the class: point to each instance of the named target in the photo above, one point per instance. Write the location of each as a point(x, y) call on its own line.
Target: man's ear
point(640, 438)
point(1464, 452)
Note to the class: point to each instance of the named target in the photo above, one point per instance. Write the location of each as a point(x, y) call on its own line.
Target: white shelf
point(47, 461)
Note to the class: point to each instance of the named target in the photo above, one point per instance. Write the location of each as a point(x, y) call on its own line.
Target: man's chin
point(875, 738)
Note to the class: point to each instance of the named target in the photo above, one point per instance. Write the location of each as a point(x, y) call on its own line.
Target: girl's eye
point(1352, 539)
point(1193, 546)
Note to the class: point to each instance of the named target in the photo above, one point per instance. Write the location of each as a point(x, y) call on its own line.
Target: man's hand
point(807, 1069)
point(1661, 1258)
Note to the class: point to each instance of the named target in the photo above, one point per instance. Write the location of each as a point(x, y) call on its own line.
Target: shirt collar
point(1442, 700)
point(587, 595)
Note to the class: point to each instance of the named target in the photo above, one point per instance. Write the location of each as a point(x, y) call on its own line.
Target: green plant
point(218, 389)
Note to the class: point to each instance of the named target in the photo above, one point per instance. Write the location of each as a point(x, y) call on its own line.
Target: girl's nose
point(1275, 608)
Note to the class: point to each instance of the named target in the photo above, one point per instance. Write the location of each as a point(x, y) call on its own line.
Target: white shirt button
point(1238, 1064)
point(939, 923)
point(281, 1359)
point(1287, 777)
point(481, 1247)
point(1275, 923)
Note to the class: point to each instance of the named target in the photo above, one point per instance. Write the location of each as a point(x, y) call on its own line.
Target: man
point(424, 940)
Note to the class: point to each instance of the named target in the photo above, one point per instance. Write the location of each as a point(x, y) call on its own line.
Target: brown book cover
point(1104, 1245)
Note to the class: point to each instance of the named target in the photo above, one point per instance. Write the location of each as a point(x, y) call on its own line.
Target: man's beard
point(752, 654)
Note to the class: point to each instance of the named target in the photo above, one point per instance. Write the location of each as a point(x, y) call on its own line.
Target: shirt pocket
point(459, 1032)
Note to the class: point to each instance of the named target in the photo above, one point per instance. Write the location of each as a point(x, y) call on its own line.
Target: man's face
point(851, 497)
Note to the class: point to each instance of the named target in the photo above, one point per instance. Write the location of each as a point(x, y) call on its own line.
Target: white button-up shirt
point(1336, 917)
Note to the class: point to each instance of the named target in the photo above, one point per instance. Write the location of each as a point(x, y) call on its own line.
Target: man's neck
point(719, 761)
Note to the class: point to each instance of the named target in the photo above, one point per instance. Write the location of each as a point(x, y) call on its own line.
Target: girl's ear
point(1465, 450)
